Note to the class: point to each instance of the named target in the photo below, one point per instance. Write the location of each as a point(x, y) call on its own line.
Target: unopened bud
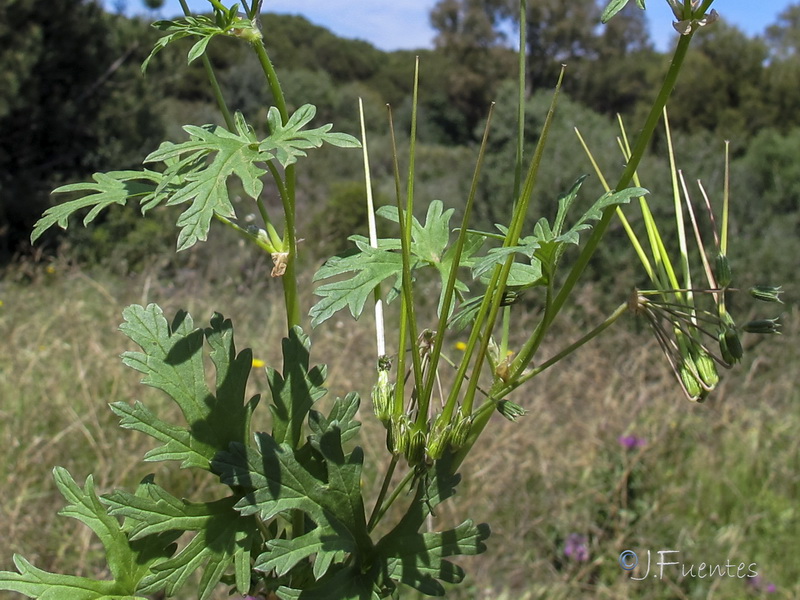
point(763, 326)
point(691, 384)
point(766, 293)
point(248, 32)
point(439, 438)
point(730, 346)
point(460, 431)
point(723, 271)
point(397, 435)
point(415, 452)
point(706, 369)
point(510, 410)
point(382, 395)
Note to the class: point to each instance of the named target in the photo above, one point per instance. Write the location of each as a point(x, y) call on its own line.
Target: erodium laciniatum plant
point(290, 520)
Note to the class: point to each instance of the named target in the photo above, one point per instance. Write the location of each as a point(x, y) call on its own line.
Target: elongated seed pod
point(690, 383)
point(707, 369)
point(723, 271)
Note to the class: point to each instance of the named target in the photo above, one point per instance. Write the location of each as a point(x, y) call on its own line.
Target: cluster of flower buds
point(690, 16)
point(690, 336)
point(420, 445)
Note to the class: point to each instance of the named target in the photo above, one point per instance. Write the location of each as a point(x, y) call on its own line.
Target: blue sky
point(396, 24)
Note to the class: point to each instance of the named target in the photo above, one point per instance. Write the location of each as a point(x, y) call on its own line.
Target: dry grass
point(715, 481)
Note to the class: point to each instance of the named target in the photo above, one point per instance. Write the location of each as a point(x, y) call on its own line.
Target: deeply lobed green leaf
point(129, 560)
point(172, 361)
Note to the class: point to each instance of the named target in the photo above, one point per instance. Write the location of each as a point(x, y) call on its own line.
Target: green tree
point(622, 69)
point(71, 102)
point(477, 61)
point(783, 70)
point(558, 33)
point(722, 87)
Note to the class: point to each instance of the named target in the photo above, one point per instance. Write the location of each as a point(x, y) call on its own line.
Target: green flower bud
point(691, 384)
point(439, 438)
point(723, 271)
point(763, 326)
point(706, 369)
point(397, 434)
point(460, 431)
point(382, 396)
point(510, 410)
point(766, 293)
point(415, 452)
point(730, 346)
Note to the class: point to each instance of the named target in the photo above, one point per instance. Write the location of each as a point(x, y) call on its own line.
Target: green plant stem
point(244, 233)
point(450, 405)
point(212, 79)
point(529, 349)
point(289, 279)
point(394, 495)
point(399, 390)
point(483, 413)
point(406, 221)
point(531, 373)
point(497, 285)
point(387, 480)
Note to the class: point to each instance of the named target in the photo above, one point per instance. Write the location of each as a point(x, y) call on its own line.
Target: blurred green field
point(718, 482)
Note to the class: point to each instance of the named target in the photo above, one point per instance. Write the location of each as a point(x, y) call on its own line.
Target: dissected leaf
point(549, 242)
point(200, 26)
point(295, 390)
point(114, 187)
point(340, 583)
point(172, 361)
point(418, 559)
point(430, 243)
point(129, 561)
point(341, 417)
point(280, 482)
point(206, 188)
point(374, 265)
point(224, 538)
point(371, 266)
point(289, 142)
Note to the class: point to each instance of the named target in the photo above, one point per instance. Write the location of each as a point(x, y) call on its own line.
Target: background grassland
point(717, 482)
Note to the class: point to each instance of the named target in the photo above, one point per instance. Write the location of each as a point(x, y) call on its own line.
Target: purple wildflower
point(629, 442)
point(576, 547)
point(758, 584)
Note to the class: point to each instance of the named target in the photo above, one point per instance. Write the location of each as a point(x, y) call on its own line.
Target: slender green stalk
point(599, 230)
point(405, 221)
point(531, 373)
point(244, 233)
point(387, 480)
point(212, 79)
point(289, 278)
point(409, 476)
point(726, 191)
point(399, 390)
point(452, 276)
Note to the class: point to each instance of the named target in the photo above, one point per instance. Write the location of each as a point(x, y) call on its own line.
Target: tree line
point(72, 99)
